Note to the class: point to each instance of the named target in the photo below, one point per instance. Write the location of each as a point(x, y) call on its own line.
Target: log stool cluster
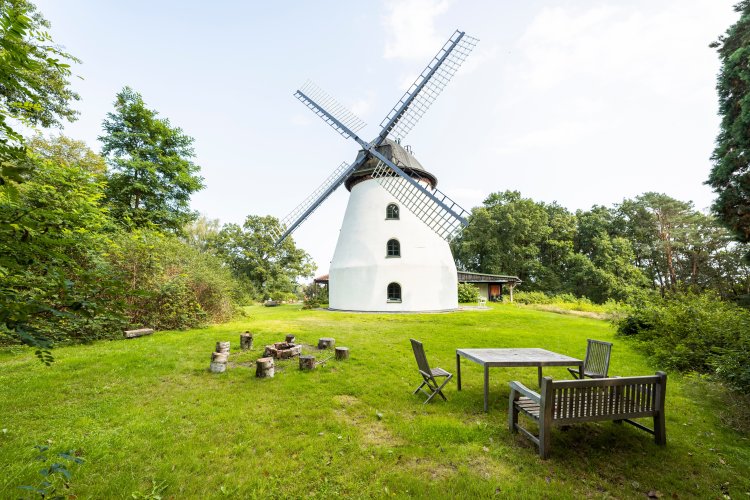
point(264, 368)
point(246, 341)
point(220, 357)
point(306, 362)
point(342, 353)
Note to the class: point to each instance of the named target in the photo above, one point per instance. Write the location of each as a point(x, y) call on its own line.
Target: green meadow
point(149, 419)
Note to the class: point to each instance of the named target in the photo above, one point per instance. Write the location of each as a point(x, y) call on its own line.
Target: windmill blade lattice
point(438, 218)
point(308, 206)
point(314, 98)
point(428, 86)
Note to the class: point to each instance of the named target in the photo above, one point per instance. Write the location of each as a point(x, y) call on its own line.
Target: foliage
point(467, 292)
point(149, 412)
point(56, 475)
point(730, 173)
point(201, 233)
point(34, 82)
point(170, 284)
point(252, 255)
point(55, 282)
point(314, 296)
point(694, 332)
point(151, 173)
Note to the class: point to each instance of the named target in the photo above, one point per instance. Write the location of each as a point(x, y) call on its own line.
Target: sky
point(580, 102)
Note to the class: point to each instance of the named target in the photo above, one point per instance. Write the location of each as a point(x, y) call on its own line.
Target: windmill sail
point(433, 207)
point(428, 85)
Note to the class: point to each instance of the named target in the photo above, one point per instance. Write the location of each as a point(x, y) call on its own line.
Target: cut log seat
point(131, 334)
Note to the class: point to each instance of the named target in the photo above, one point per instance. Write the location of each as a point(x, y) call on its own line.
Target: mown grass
point(147, 416)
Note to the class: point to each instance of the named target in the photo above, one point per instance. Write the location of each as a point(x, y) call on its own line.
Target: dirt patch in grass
point(372, 430)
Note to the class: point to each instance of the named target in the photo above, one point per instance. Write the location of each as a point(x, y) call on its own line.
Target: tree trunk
point(306, 362)
point(222, 347)
point(342, 353)
point(264, 368)
point(290, 338)
point(218, 362)
point(246, 341)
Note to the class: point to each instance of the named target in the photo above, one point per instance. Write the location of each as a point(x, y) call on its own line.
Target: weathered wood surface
point(596, 362)
point(512, 357)
point(306, 362)
point(131, 334)
point(326, 343)
point(218, 362)
point(290, 338)
point(246, 341)
point(220, 357)
point(222, 347)
point(264, 368)
point(342, 353)
point(572, 401)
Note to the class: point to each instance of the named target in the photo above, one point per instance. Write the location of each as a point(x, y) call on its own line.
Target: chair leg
point(419, 388)
point(575, 373)
point(545, 431)
point(437, 389)
point(660, 430)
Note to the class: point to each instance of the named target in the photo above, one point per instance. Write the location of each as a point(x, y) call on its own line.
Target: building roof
point(471, 277)
point(321, 279)
point(398, 155)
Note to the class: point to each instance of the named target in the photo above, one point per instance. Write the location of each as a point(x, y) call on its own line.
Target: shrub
point(532, 298)
point(467, 293)
point(692, 332)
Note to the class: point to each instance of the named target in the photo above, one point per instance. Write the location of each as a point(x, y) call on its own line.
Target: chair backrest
point(596, 363)
point(604, 398)
point(422, 363)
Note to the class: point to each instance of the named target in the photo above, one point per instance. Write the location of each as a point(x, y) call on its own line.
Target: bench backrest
point(603, 398)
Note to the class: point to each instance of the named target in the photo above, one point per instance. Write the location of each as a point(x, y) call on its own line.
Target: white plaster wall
point(360, 271)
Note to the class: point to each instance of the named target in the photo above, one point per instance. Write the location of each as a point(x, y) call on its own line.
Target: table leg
point(580, 371)
point(539, 375)
point(486, 387)
point(458, 371)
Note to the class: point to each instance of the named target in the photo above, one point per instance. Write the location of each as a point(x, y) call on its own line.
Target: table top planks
point(510, 357)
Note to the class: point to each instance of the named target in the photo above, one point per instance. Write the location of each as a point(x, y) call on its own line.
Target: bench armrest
point(522, 389)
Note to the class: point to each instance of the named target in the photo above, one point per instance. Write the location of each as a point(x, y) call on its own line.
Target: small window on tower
point(391, 212)
point(393, 248)
point(394, 292)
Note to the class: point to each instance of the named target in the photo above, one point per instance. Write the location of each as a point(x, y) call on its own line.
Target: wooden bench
point(565, 402)
point(131, 334)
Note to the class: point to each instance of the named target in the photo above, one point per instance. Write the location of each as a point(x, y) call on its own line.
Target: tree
point(201, 233)
point(152, 175)
point(51, 245)
point(34, 81)
point(730, 175)
point(250, 251)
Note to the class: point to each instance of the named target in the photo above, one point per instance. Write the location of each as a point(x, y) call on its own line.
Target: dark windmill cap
point(398, 155)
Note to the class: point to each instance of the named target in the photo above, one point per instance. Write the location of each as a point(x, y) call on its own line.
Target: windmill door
point(494, 292)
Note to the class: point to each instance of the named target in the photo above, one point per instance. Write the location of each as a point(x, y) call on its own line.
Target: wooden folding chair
point(596, 363)
point(429, 375)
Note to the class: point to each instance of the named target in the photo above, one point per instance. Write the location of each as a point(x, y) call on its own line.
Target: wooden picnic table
point(489, 358)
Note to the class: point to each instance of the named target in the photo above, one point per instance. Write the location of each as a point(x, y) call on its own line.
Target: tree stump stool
point(246, 341)
point(342, 353)
point(326, 343)
point(264, 368)
point(218, 362)
point(290, 338)
point(306, 362)
point(222, 347)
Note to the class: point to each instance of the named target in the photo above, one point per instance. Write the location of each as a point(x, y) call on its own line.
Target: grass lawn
point(149, 418)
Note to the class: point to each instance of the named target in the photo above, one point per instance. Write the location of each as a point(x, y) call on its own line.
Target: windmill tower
point(393, 250)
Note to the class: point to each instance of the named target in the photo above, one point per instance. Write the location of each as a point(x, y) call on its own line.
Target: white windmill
point(392, 253)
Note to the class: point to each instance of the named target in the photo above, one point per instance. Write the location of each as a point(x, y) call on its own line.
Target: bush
point(532, 298)
point(171, 285)
point(314, 296)
point(692, 332)
point(467, 293)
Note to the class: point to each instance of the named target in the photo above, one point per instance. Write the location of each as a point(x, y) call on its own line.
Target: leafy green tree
point(54, 280)
point(152, 175)
point(34, 81)
point(201, 233)
point(250, 251)
point(730, 175)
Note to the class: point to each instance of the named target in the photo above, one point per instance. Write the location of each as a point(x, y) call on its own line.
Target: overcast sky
point(579, 102)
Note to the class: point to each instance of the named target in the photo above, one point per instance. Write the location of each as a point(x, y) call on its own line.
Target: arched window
point(393, 248)
point(394, 292)
point(391, 211)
